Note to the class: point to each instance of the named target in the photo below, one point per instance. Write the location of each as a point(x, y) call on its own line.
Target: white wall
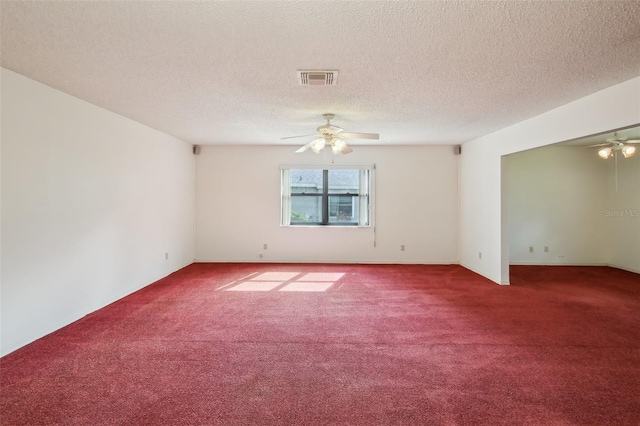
point(91, 202)
point(238, 207)
point(556, 199)
point(483, 217)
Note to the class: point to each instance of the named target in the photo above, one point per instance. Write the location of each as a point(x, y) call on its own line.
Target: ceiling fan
point(615, 144)
point(331, 135)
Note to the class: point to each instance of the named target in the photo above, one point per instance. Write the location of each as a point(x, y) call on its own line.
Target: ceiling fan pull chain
point(615, 160)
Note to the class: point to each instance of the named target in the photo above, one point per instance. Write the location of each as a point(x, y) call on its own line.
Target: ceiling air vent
point(317, 78)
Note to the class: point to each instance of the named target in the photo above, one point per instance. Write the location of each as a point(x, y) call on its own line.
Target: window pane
point(344, 181)
point(338, 197)
point(306, 209)
point(343, 209)
point(306, 181)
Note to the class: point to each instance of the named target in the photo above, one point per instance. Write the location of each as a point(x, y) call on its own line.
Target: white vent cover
point(317, 78)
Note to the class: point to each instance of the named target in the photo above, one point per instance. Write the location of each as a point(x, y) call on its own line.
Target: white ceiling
point(429, 72)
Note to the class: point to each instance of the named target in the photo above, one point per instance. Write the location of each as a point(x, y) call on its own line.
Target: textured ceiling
point(415, 72)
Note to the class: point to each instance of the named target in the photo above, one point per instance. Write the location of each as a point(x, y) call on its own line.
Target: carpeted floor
point(263, 344)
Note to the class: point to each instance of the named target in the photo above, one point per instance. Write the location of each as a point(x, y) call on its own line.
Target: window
point(331, 196)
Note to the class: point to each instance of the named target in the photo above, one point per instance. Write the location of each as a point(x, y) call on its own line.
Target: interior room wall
point(621, 214)
point(238, 207)
point(94, 207)
point(556, 199)
point(483, 217)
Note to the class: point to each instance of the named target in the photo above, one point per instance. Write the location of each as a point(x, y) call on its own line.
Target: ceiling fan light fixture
point(605, 153)
point(317, 145)
point(337, 145)
point(628, 151)
point(328, 136)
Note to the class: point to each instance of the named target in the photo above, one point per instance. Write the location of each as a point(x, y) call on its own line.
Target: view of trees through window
point(328, 197)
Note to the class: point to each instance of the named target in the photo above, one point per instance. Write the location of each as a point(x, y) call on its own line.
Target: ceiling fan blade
point(599, 144)
point(301, 136)
point(633, 141)
point(304, 148)
point(359, 135)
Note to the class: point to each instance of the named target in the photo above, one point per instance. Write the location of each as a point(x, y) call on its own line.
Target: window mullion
point(325, 197)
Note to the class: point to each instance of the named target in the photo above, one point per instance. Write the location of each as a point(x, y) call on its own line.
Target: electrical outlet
point(479, 255)
point(260, 255)
point(530, 249)
point(402, 247)
point(546, 249)
point(264, 246)
point(166, 256)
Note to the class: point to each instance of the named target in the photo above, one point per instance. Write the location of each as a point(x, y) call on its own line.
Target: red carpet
point(251, 344)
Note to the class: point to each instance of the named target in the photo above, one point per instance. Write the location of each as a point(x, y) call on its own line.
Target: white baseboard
point(557, 264)
point(624, 268)
point(610, 265)
point(334, 261)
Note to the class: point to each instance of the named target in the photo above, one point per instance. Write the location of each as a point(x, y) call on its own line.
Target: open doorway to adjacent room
point(568, 205)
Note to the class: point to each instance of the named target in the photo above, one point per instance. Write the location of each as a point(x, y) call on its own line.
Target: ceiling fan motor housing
point(328, 129)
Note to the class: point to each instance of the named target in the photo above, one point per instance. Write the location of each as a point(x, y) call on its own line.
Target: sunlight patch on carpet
point(321, 276)
point(256, 286)
point(275, 276)
point(286, 281)
point(306, 286)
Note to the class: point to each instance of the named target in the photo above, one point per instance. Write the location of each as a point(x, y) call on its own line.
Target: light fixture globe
point(317, 145)
point(628, 151)
point(337, 145)
point(605, 153)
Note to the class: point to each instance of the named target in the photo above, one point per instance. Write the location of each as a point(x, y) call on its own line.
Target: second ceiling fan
point(615, 144)
point(333, 136)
